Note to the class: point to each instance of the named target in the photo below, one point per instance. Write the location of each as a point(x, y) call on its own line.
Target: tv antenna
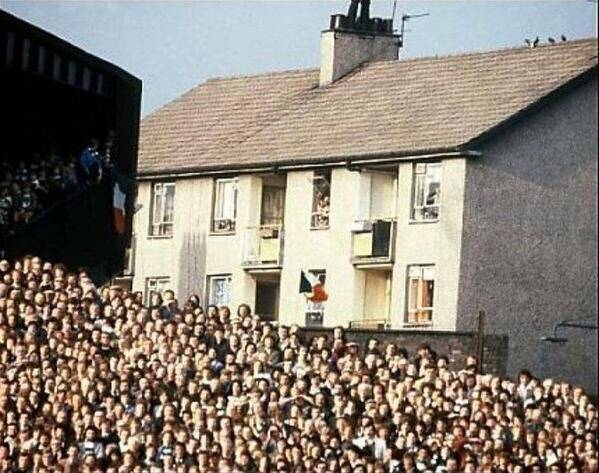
point(404, 19)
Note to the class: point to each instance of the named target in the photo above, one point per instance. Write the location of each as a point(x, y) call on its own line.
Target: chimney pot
point(338, 22)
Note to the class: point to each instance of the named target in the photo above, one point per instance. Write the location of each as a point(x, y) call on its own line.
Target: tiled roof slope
point(406, 106)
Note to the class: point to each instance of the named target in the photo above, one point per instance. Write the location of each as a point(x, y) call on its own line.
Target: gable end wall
point(529, 248)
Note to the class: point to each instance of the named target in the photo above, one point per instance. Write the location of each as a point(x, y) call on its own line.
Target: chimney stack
point(352, 40)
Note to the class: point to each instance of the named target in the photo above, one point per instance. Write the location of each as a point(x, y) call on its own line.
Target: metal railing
point(263, 246)
point(373, 241)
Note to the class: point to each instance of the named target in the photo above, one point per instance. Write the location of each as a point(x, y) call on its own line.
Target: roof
point(382, 108)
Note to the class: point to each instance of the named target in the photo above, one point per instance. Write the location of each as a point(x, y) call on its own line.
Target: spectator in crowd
point(91, 380)
point(90, 161)
point(323, 209)
point(34, 183)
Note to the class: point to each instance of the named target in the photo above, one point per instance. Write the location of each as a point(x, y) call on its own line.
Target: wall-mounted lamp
point(554, 338)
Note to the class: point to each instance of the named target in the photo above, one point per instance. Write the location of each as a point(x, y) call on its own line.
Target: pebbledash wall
point(193, 253)
point(529, 251)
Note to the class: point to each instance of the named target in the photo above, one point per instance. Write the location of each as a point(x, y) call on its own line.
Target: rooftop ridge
point(488, 52)
point(262, 74)
point(483, 52)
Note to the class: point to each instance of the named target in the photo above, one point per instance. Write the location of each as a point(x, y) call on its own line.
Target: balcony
point(373, 242)
point(263, 247)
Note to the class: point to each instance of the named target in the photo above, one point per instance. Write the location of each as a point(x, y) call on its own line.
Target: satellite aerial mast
point(404, 19)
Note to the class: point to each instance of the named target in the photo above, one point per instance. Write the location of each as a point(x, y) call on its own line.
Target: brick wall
point(455, 345)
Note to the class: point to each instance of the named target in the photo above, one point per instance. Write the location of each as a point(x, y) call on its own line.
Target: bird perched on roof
point(551, 40)
point(564, 39)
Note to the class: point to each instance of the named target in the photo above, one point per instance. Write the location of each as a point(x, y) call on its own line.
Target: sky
point(174, 45)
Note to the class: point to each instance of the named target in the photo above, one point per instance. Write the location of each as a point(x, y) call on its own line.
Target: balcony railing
point(373, 241)
point(263, 247)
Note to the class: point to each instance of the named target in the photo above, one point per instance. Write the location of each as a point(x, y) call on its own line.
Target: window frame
point(416, 308)
point(209, 284)
point(218, 206)
point(158, 229)
point(415, 209)
point(155, 279)
point(327, 175)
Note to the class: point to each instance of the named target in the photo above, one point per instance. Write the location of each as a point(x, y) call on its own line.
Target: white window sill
point(320, 228)
point(223, 233)
point(417, 325)
point(416, 222)
point(160, 237)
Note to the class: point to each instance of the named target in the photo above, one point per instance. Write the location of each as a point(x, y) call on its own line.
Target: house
point(414, 192)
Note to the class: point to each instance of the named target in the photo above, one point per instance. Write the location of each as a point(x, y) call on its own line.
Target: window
point(421, 294)
point(219, 289)
point(321, 199)
point(162, 210)
point(225, 205)
point(72, 72)
point(10, 47)
point(156, 285)
point(427, 191)
point(273, 205)
point(129, 264)
point(86, 78)
point(25, 53)
point(57, 67)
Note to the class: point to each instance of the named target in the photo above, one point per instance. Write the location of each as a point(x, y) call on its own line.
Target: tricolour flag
point(313, 287)
point(118, 207)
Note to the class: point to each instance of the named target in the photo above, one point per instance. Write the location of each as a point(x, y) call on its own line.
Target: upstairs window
point(163, 209)
point(273, 206)
point(421, 295)
point(225, 205)
point(427, 191)
point(321, 199)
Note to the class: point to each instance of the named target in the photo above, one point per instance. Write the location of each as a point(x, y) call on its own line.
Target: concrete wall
point(529, 249)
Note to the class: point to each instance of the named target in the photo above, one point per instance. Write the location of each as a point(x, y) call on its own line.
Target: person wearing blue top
point(90, 162)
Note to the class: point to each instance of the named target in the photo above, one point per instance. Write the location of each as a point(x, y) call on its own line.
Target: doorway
point(267, 300)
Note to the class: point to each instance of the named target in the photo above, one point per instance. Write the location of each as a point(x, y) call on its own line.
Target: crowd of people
point(33, 183)
point(94, 380)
